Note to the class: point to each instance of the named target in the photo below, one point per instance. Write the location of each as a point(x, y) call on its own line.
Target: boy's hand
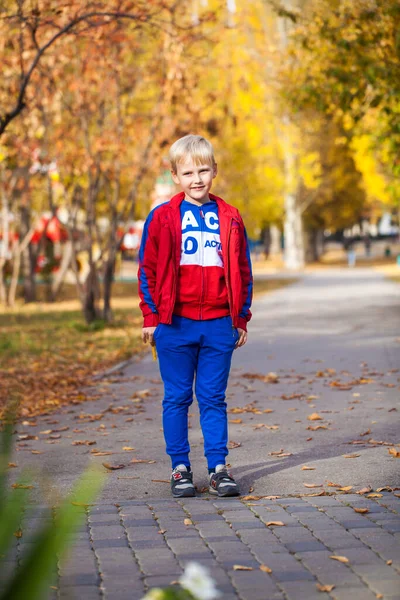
point(242, 337)
point(148, 335)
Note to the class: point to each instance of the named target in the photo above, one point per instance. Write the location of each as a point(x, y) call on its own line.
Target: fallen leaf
point(275, 524)
point(361, 511)
point(161, 480)
point(242, 568)
point(351, 455)
point(18, 533)
point(235, 421)
point(268, 410)
point(128, 448)
point(271, 497)
point(313, 485)
point(394, 452)
point(389, 562)
point(232, 445)
point(265, 569)
point(342, 559)
point(346, 488)
point(187, 522)
point(95, 452)
point(385, 488)
point(83, 443)
point(81, 504)
point(364, 490)
point(162, 531)
point(336, 485)
point(316, 427)
point(142, 460)
point(112, 467)
point(12, 465)
point(250, 498)
point(36, 452)
point(314, 417)
point(325, 588)
point(46, 431)
point(306, 468)
point(365, 432)
point(321, 493)
point(279, 453)
point(27, 436)
point(374, 495)
point(21, 486)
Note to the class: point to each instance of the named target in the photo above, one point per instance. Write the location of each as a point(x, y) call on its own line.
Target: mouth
point(200, 187)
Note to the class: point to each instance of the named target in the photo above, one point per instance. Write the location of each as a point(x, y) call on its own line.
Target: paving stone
point(78, 593)
point(116, 543)
point(354, 593)
point(305, 546)
point(78, 579)
point(300, 590)
point(255, 585)
point(107, 533)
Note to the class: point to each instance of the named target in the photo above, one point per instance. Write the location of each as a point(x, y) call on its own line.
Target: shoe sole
point(227, 494)
point(183, 495)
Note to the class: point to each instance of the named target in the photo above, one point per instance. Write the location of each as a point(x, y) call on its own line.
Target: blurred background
point(300, 98)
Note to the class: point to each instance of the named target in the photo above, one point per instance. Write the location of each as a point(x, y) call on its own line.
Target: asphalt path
point(327, 346)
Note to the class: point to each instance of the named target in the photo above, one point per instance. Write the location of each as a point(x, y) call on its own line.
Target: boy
point(195, 285)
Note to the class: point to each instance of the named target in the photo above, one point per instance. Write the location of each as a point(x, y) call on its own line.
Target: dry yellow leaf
point(394, 452)
point(351, 455)
point(362, 511)
point(306, 468)
point(389, 562)
point(128, 448)
point(187, 522)
point(242, 568)
point(12, 465)
point(314, 417)
point(235, 421)
point(325, 588)
point(275, 524)
point(312, 485)
point(374, 495)
point(346, 488)
point(342, 559)
point(265, 569)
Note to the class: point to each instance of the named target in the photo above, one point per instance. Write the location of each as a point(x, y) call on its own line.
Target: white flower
point(154, 594)
point(197, 581)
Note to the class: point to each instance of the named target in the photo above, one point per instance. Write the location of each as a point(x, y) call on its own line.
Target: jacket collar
point(223, 206)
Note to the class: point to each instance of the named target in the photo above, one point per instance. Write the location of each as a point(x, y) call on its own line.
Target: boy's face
point(195, 180)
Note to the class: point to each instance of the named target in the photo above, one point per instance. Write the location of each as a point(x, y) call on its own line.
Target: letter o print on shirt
point(190, 245)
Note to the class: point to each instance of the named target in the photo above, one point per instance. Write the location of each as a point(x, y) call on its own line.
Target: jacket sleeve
point(247, 282)
point(148, 255)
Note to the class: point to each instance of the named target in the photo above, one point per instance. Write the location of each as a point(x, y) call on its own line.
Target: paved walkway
point(317, 386)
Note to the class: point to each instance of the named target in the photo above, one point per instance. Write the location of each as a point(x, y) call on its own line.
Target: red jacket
point(160, 255)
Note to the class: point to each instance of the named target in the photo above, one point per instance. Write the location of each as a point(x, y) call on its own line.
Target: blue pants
point(185, 348)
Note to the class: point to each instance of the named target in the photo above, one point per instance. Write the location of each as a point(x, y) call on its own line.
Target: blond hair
point(191, 146)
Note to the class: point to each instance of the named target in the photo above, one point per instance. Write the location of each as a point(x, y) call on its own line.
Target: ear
point(175, 177)
point(215, 170)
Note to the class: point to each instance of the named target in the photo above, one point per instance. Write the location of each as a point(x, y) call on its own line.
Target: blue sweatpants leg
point(177, 354)
point(218, 340)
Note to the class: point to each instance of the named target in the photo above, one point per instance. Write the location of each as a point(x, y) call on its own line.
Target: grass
point(49, 354)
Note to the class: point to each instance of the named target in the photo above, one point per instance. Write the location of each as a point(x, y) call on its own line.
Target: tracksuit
point(195, 285)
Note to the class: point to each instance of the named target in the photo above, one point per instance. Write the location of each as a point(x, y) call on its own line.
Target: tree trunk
point(109, 271)
point(28, 260)
point(275, 243)
point(90, 309)
point(61, 273)
point(294, 254)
